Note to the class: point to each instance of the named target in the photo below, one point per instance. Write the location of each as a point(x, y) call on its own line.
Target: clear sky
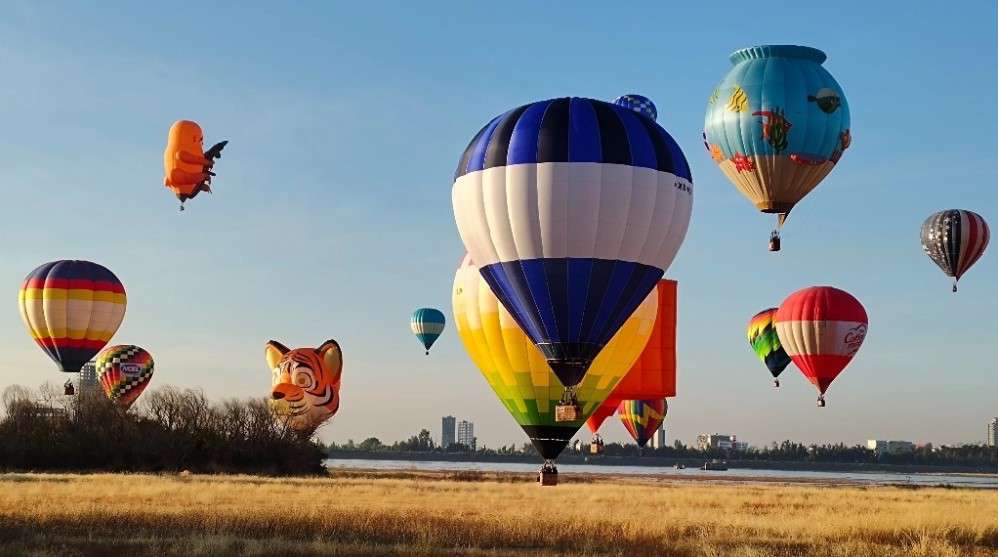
point(332, 218)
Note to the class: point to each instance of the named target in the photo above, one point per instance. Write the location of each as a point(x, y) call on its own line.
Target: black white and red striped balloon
point(955, 239)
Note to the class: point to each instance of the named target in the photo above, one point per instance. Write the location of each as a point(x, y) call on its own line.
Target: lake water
point(868, 478)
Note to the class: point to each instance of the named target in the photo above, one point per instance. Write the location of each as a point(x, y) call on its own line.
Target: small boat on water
point(679, 466)
point(715, 464)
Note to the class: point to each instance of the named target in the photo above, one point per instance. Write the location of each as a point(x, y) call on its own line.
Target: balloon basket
point(567, 412)
point(595, 449)
point(548, 474)
point(776, 383)
point(774, 242)
point(68, 389)
point(821, 402)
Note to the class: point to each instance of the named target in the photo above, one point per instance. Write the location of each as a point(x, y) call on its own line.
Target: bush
point(168, 430)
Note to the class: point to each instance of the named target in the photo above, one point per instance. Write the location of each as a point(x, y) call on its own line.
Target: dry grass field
point(355, 513)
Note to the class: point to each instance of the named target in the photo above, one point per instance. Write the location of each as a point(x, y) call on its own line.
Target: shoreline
point(663, 462)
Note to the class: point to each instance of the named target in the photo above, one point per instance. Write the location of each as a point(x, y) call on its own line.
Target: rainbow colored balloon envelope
point(72, 309)
point(765, 342)
point(124, 371)
point(517, 371)
point(642, 418)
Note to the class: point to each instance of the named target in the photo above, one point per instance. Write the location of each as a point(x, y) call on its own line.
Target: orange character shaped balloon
point(186, 165)
point(305, 383)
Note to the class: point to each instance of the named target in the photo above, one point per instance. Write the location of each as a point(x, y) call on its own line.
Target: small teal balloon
point(638, 103)
point(427, 324)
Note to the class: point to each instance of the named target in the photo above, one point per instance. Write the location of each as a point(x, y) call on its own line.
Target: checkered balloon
point(639, 104)
point(124, 372)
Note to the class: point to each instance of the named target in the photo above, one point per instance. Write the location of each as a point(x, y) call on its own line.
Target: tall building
point(88, 383)
point(658, 440)
point(447, 431)
point(466, 433)
point(993, 432)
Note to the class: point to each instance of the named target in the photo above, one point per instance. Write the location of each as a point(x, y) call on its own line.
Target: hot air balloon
point(955, 239)
point(427, 324)
point(821, 328)
point(638, 103)
point(516, 369)
point(305, 384)
point(573, 208)
point(123, 371)
point(776, 125)
point(765, 342)
point(72, 309)
point(653, 374)
point(642, 418)
point(185, 162)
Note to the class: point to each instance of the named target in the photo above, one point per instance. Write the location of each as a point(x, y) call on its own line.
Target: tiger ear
point(332, 357)
point(275, 351)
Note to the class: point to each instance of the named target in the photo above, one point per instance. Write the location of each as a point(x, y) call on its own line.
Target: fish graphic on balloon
point(826, 99)
point(775, 128)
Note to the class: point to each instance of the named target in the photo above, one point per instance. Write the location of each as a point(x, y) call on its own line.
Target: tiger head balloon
point(305, 388)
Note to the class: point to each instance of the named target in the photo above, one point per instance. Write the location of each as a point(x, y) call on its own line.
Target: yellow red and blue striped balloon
point(642, 418)
point(72, 309)
point(124, 371)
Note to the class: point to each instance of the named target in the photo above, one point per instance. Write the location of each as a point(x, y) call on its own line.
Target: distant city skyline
point(331, 214)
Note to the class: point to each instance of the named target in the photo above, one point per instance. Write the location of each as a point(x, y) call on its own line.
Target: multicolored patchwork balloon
point(642, 418)
point(123, 371)
point(427, 324)
point(765, 342)
point(955, 239)
point(72, 309)
point(573, 208)
point(516, 370)
point(776, 125)
point(821, 328)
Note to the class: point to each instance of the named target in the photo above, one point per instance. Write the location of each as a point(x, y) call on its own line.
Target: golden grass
point(485, 514)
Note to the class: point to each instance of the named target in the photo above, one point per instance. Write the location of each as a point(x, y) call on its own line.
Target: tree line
point(786, 451)
point(168, 429)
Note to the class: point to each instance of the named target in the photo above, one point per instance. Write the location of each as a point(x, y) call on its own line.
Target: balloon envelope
point(427, 324)
point(653, 374)
point(777, 124)
point(955, 239)
point(821, 328)
point(516, 369)
point(305, 384)
point(638, 103)
point(123, 371)
point(765, 342)
point(72, 309)
point(573, 208)
point(642, 418)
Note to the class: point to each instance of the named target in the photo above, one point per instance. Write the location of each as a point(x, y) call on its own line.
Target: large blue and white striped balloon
point(573, 209)
point(427, 324)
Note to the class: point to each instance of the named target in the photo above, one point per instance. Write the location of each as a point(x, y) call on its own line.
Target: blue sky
point(332, 214)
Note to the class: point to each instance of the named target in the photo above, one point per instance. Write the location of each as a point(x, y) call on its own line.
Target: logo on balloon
point(854, 339)
point(130, 370)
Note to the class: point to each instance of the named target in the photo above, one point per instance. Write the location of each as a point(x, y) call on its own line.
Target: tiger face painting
point(305, 389)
